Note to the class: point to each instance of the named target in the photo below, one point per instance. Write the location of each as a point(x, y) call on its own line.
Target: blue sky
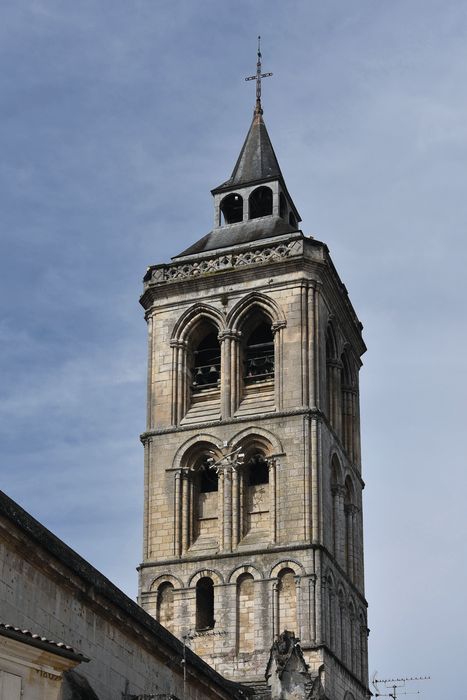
point(117, 120)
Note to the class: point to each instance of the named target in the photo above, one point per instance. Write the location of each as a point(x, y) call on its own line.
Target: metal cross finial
point(257, 77)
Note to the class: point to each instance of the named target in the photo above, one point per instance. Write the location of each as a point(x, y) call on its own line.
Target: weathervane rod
point(258, 77)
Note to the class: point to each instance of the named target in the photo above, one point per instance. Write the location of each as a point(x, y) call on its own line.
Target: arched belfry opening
point(260, 202)
point(206, 359)
point(204, 604)
point(257, 362)
point(197, 501)
point(256, 488)
point(259, 352)
point(231, 209)
point(205, 498)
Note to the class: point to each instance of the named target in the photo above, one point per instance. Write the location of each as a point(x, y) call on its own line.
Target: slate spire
point(257, 161)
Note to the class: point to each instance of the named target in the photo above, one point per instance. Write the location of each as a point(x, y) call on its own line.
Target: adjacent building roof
point(36, 640)
point(101, 586)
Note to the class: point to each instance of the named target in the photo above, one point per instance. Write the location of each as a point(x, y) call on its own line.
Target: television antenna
point(395, 686)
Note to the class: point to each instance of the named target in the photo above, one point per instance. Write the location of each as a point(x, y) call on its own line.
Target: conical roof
point(257, 161)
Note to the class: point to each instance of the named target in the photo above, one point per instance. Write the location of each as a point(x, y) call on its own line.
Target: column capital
point(350, 509)
point(338, 490)
point(176, 343)
point(335, 363)
point(228, 333)
point(278, 325)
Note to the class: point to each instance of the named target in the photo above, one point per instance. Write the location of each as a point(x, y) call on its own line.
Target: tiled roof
point(34, 639)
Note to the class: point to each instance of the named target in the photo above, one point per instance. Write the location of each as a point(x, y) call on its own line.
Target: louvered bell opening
point(207, 364)
point(259, 355)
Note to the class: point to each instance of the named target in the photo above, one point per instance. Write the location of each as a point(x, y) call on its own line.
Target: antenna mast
point(394, 685)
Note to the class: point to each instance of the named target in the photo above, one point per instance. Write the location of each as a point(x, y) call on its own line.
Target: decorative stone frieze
point(224, 261)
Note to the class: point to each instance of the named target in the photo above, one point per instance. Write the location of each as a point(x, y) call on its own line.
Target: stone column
point(227, 508)
point(179, 388)
point(225, 343)
point(177, 514)
point(332, 619)
point(337, 408)
point(340, 528)
point(147, 496)
point(314, 359)
point(220, 510)
point(277, 328)
point(235, 372)
point(150, 372)
point(305, 361)
point(298, 607)
point(312, 636)
point(350, 511)
point(235, 509)
point(307, 480)
point(185, 512)
point(357, 457)
point(315, 480)
point(272, 499)
point(275, 609)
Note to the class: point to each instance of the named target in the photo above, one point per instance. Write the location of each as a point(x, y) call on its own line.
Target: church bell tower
point(253, 486)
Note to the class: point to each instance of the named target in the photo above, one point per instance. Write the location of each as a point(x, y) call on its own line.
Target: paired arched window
point(232, 209)
point(260, 202)
point(342, 395)
point(345, 521)
point(204, 604)
point(346, 633)
point(216, 360)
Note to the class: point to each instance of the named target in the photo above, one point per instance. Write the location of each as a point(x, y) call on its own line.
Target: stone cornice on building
point(262, 417)
point(199, 272)
point(279, 548)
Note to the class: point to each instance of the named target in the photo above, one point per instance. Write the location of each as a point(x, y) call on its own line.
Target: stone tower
point(253, 508)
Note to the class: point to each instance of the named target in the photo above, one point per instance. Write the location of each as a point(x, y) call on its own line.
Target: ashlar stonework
point(253, 485)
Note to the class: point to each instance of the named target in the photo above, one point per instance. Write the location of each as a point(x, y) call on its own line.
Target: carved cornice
point(223, 261)
point(312, 412)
